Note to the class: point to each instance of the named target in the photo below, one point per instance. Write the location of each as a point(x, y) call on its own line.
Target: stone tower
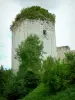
point(43, 27)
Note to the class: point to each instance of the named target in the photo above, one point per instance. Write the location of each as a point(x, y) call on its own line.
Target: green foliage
point(55, 75)
point(70, 56)
point(31, 80)
point(40, 93)
point(70, 62)
point(4, 76)
point(68, 94)
point(18, 87)
point(2, 80)
point(59, 74)
point(29, 54)
point(15, 89)
point(34, 12)
point(48, 63)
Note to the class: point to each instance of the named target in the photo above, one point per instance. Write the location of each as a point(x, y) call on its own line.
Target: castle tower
point(34, 20)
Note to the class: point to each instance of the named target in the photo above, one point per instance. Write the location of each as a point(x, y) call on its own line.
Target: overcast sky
point(65, 23)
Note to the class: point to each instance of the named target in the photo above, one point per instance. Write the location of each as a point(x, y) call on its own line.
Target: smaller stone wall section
point(61, 50)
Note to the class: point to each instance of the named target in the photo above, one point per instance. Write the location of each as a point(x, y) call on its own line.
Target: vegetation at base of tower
point(70, 60)
point(41, 93)
point(15, 87)
point(57, 81)
point(56, 75)
point(4, 76)
point(29, 54)
point(34, 12)
point(18, 87)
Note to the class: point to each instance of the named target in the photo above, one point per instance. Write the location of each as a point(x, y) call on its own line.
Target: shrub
point(18, 87)
point(15, 88)
point(2, 80)
point(38, 93)
point(70, 62)
point(55, 75)
point(31, 80)
point(10, 89)
point(4, 77)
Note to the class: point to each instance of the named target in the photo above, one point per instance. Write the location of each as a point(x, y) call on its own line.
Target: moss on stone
point(34, 12)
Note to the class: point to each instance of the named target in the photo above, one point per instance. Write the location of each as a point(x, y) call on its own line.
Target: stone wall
point(61, 50)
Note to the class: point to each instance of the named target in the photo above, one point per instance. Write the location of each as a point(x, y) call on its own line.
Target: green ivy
point(34, 12)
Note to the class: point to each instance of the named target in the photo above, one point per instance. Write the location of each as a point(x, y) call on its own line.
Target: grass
point(41, 93)
point(37, 94)
point(68, 94)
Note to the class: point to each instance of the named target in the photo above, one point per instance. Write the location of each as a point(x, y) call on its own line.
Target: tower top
point(34, 12)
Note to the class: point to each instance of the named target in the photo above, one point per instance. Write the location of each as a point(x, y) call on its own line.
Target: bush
point(2, 80)
point(31, 80)
point(10, 89)
point(38, 94)
point(68, 94)
point(70, 62)
point(15, 89)
point(18, 87)
point(55, 75)
point(4, 77)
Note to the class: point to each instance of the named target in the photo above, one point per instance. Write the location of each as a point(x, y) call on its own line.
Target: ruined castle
point(35, 20)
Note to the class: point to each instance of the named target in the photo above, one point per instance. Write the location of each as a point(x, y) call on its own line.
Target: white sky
point(65, 23)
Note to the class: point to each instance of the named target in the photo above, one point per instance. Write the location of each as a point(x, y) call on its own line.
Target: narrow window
point(44, 32)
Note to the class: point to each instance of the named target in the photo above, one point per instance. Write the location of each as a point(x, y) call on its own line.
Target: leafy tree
point(31, 80)
point(29, 54)
point(17, 88)
point(70, 62)
point(55, 74)
point(2, 79)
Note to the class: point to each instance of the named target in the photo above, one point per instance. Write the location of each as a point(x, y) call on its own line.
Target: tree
point(31, 79)
point(2, 79)
point(29, 53)
point(70, 61)
point(55, 74)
